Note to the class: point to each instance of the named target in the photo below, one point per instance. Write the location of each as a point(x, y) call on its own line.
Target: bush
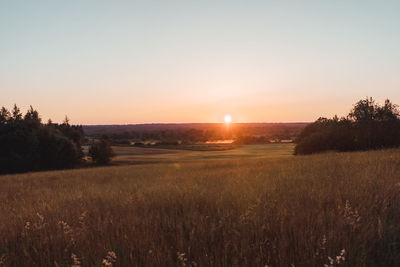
point(101, 152)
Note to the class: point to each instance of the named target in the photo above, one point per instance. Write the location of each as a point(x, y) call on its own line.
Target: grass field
point(138, 155)
point(234, 211)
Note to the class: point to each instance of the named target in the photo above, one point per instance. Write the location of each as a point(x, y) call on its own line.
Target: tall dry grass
point(332, 209)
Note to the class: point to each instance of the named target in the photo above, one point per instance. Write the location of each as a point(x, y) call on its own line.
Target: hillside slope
point(250, 212)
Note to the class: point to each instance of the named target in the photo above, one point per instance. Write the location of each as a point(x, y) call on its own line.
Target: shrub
point(101, 152)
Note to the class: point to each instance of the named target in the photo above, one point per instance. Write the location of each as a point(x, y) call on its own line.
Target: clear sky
point(108, 62)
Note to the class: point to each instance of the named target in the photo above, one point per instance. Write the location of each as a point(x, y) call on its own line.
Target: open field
point(228, 212)
point(137, 155)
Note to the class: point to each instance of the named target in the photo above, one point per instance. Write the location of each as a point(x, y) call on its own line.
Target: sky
point(117, 62)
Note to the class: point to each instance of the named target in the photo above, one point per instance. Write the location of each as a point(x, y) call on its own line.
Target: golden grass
point(234, 212)
point(139, 155)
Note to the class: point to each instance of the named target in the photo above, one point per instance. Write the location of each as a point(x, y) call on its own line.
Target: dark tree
point(4, 116)
point(28, 145)
point(368, 126)
point(387, 112)
point(32, 118)
point(101, 152)
point(16, 113)
point(364, 110)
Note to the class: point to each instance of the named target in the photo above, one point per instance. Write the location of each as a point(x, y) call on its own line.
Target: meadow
point(333, 209)
point(173, 154)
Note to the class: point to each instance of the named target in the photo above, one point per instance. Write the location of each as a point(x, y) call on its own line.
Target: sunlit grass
point(157, 155)
point(234, 212)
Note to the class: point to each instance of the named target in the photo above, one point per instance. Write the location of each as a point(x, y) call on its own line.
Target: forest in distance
point(176, 133)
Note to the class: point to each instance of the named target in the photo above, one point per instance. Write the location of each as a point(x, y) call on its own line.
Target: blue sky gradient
point(104, 62)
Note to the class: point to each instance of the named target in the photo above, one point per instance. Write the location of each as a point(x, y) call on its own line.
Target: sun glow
point(228, 118)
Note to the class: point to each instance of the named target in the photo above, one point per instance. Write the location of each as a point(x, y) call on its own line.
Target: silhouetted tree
point(66, 120)
point(16, 113)
point(4, 115)
point(32, 118)
point(387, 112)
point(27, 144)
point(364, 110)
point(101, 152)
point(368, 126)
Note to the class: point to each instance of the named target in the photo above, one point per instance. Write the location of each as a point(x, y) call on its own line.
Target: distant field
point(136, 155)
point(282, 211)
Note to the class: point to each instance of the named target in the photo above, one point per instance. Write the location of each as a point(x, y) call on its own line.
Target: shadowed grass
point(233, 212)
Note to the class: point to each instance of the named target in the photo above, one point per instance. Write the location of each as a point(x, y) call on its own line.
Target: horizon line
point(166, 123)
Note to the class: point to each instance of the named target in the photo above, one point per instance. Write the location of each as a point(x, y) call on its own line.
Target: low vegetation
point(328, 209)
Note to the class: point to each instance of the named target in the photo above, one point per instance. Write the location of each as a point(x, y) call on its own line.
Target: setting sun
point(228, 118)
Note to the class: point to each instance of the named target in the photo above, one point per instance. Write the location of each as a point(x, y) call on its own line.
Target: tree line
point(367, 126)
point(27, 144)
point(240, 134)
